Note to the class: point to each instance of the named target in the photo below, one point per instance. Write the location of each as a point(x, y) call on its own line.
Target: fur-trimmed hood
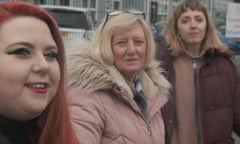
point(85, 69)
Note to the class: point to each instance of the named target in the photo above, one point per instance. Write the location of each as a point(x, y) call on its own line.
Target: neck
point(193, 50)
point(130, 77)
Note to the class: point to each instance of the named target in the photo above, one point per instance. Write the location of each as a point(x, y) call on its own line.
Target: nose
point(193, 24)
point(131, 47)
point(40, 64)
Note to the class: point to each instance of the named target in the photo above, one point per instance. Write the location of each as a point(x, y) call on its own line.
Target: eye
point(121, 43)
point(184, 21)
point(139, 42)
point(199, 20)
point(52, 54)
point(20, 52)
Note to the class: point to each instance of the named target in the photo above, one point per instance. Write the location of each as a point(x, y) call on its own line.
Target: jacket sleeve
point(236, 102)
point(86, 116)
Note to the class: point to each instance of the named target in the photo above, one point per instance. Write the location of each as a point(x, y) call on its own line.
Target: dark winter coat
point(219, 94)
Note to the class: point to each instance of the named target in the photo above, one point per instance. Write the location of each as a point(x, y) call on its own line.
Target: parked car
point(222, 30)
point(74, 22)
point(157, 33)
point(231, 43)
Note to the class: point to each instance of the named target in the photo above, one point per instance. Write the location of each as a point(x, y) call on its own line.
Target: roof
point(63, 7)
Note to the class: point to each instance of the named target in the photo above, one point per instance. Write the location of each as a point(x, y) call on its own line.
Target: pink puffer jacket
point(114, 118)
point(102, 107)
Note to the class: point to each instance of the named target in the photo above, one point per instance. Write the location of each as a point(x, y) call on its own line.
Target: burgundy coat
point(219, 90)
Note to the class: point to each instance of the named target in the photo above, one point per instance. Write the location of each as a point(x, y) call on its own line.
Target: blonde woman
point(116, 89)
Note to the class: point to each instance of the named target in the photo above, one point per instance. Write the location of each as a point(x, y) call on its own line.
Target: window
point(116, 5)
point(85, 3)
point(71, 19)
point(93, 4)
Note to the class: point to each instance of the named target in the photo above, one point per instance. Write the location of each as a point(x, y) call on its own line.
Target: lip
point(131, 59)
point(38, 87)
point(193, 34)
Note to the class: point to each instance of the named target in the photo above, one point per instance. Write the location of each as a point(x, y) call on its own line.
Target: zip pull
point(149, 129)
point(194, 62)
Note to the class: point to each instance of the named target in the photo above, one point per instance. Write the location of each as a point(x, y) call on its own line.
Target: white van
point(74, 22)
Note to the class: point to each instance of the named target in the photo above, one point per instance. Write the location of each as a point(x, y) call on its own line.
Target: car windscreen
point(70, 19)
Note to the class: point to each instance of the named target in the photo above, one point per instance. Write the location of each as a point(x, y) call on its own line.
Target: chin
point(36, 112)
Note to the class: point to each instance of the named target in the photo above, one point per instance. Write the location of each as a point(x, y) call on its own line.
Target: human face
point(191, 27)
point(29, 70)
point(129, 49)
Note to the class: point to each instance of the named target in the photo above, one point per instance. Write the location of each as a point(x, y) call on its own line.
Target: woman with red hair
point(33, 106)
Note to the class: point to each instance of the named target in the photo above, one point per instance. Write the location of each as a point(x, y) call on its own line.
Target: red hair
point(53, 125)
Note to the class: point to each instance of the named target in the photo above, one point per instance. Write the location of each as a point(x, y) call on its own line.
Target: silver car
point(74, 22)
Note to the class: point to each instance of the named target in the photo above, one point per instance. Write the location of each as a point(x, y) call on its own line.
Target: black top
point(13, 132)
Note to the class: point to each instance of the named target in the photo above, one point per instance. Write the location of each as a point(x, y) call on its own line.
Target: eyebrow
point(25, 43)
point(20, 43)
point(195, 16)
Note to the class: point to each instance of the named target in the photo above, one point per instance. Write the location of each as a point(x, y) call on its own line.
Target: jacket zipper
point(149, 128)
point(197, 101)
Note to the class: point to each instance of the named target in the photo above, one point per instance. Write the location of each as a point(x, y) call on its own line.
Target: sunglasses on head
point(118, 12)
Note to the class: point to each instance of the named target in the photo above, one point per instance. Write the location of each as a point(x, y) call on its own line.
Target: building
point(155, 10)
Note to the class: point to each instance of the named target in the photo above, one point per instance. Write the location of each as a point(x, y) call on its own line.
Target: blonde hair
point(113, 25)
point(175, 43)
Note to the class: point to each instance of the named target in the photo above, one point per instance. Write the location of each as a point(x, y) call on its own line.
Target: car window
point(71, 19)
